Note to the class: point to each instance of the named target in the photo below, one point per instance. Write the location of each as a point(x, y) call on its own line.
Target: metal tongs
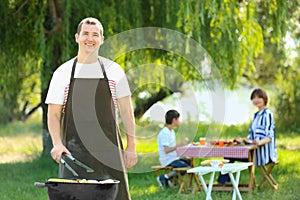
point(62, 161)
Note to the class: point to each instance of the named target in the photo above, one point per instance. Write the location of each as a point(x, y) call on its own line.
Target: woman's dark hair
point(261, 94)
point(170, 115)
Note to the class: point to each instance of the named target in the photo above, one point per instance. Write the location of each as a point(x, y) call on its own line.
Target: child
point(167, 147)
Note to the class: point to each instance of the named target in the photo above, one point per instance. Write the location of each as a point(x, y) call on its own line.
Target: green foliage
point(288, 81)
point(288, 99)
point(42, 35)
point(19, 58)
point(230, 31)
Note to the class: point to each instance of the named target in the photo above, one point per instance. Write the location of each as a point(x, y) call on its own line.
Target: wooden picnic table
point(209, 151)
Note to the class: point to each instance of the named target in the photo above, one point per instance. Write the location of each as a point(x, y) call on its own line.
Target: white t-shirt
point(59, 85)
point(166, 137)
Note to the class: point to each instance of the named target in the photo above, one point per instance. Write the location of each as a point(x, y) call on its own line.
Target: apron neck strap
point(73, 69)
point(103, 70)
point(74, 66)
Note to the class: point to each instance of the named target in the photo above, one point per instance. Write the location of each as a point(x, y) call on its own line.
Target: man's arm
point(126, 112)
point(54, 115)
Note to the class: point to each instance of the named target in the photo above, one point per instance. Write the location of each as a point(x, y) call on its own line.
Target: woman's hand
point(262, 142)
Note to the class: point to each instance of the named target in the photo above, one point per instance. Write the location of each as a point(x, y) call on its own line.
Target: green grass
point(17, 179)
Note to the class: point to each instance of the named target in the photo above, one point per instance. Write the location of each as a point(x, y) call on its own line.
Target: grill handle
point(40, 185)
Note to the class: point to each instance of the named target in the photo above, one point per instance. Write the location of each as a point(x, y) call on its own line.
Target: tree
point(44, 30)
point(19, 61)
point(288, 78)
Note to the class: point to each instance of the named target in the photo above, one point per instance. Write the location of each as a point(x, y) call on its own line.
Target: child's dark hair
point(261, 94)
point(170, 115)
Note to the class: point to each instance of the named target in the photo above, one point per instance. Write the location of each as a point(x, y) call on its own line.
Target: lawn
point(21, 164)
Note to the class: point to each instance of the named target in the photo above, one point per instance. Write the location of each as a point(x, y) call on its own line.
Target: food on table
point(219, 163)
point(206, 162)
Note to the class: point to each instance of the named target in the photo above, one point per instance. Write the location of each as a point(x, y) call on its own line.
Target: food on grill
point(61, 180)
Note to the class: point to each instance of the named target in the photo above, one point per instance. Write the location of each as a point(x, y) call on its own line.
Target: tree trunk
point(47, 142)
point(143, 106)
point(53, 30)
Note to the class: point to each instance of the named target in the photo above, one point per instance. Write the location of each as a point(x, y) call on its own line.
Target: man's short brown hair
point(261, 94)
point(91, 21)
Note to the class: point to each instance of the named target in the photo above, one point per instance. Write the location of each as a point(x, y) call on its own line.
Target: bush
point(288, 100)
point(5, 114)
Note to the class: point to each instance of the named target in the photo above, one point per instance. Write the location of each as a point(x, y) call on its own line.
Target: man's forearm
point(127, 116)
point(54, 115)
point(129, 127)
point(54, 129)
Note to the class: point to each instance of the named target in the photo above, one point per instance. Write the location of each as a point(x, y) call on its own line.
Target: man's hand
point(130, 157)
point(57, 151)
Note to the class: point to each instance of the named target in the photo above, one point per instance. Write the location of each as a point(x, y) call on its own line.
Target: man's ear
point(102, 39)
point(76, 37)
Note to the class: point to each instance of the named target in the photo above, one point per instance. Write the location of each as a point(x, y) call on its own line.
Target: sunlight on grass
point(27, 143)
point(20, 147)
point(288, 141)
point(146, 146)
point(21, 141)
point(140, 191)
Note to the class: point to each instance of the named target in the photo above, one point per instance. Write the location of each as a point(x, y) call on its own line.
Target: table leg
point(251, 171)
point(237, 179)
point(235, 184)
point(208, 194)
point(198, 184)
point(203, 183)
point(182, 182)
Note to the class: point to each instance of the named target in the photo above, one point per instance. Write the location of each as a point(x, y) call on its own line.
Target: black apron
point(90, 132)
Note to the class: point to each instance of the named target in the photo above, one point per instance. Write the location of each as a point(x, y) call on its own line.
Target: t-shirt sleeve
point(163, 139)
point(122, 86)
point(116, 74)
point(56, 90)
point(270, 125)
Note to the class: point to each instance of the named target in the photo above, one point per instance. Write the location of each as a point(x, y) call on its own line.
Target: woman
point(261, 133)
point(261, 130)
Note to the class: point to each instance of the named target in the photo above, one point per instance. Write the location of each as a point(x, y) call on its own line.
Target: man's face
point(176, 121)
point(90, 38)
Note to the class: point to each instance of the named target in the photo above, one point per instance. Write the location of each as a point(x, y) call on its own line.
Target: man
point(167, 147)
point(83, 95)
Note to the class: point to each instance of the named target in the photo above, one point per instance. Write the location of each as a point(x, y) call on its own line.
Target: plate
point(248, 141)
point(195, 143)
